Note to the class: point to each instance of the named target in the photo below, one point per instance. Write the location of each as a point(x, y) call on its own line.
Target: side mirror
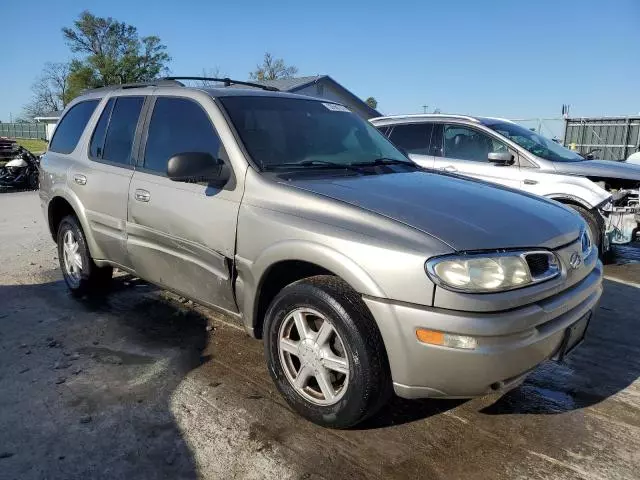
point(500, 158)
point(195, 167)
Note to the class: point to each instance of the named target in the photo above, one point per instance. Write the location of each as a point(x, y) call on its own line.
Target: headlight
point(492, 272)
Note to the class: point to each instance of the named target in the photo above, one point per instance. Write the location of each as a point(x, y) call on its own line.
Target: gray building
point(323, 86)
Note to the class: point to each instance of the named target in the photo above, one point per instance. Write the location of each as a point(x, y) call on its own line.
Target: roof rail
point(227, 82)
point(452, 116)
point(153, 83)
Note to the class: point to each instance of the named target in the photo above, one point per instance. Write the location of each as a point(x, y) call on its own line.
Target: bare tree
point(212, 73)
point(50, 90)
point(272, 69)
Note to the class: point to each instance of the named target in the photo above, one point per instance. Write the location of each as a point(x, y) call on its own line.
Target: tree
point(50, 90)
point(212, 73)
point(113, 53)
point(372, 102)
point(272, 69)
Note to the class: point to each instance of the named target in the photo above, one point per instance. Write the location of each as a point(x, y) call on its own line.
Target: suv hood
point(465, 214)
point(599, 168)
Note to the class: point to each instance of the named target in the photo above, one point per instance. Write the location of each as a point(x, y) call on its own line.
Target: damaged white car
point(605, 193)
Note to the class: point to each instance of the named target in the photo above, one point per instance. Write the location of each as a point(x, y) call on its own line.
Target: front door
point(414, 139)
point(182, 235)
point(465, 150)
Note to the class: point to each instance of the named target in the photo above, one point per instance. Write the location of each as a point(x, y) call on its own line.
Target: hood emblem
point(575, 260)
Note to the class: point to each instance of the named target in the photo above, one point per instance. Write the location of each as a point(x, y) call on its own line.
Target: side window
point(465, 143)
point(97, 140)
point(178, 125)
point(122, 129)
point(413, 137)
point(71, 126)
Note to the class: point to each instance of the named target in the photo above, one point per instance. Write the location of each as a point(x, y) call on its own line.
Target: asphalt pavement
point(142, 384)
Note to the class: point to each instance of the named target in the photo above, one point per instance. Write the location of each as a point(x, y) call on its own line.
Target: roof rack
point(227, 82)
point(153, 83)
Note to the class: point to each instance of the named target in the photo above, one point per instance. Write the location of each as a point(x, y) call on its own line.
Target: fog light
point(433, 337)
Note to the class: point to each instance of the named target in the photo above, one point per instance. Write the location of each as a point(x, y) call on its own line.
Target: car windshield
point(281, 133)
point(537, 144)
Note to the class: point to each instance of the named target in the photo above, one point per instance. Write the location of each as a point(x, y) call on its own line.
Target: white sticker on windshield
point(334, 107)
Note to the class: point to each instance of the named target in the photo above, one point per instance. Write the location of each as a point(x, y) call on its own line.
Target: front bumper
point(510, 343)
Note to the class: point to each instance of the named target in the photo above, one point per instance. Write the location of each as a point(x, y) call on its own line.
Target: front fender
point(579, 190)
point(251, 274)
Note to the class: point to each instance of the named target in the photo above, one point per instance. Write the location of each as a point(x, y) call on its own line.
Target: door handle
point(449, 168)
point(530, 182)
point(80, 179)
point(142, 195)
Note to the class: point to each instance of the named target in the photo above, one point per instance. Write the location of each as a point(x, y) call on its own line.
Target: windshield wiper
point(313, 163)
point(384, 161)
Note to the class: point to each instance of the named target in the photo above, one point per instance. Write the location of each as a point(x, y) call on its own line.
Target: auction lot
point(143, 385)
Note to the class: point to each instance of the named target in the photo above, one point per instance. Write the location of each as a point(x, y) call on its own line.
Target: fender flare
point(72, 199)
point(252, 274)
point(559, 197)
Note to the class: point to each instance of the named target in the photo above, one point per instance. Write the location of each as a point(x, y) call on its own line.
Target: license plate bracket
point(573, 336)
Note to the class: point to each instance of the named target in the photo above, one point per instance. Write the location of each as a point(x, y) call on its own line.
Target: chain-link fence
point(23, 130)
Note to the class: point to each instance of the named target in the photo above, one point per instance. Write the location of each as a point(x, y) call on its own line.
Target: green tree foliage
point(272, 69)
point(111, 52)
point(372, 102)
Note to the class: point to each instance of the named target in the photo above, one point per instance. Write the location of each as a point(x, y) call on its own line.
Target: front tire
point(325, 353)
point(34, 181)
point(80, 273)
point(595, 224)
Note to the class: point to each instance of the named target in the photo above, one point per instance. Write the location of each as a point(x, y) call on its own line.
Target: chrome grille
point(542, 265)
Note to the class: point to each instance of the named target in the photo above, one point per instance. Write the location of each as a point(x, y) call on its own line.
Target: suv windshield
point(537, 144)
point(281, 132)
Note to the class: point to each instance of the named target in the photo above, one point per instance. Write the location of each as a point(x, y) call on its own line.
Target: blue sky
point(499, 58)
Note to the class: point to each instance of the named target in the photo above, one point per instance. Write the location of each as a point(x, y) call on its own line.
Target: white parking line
point(620, 280)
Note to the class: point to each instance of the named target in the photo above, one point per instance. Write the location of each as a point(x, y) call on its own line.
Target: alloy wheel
point(313, 357)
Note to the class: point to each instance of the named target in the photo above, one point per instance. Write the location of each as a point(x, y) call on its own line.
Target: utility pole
point(424, 108)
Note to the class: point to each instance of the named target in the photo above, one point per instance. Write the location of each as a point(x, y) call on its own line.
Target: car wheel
point(325, 353)
point(80, 272)
point(595, 224)
point(34, 181)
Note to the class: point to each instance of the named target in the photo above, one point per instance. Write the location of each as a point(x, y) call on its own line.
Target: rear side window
point(413, 137)
point(71, 126)
point(178, 125)
point(122, 129)
point(97, 140)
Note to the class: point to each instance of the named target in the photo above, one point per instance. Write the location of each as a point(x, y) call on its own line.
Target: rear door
point(182, 235)
point(414, 139)
point(465, 150)
point(102, 182)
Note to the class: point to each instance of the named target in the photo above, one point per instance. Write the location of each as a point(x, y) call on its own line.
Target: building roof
point(298, 83)
point(291, 84)
point(55, 115)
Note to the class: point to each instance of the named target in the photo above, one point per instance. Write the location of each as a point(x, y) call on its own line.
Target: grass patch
point(34, 145)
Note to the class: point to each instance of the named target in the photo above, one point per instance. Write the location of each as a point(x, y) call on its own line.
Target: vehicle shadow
point(87, 384)
point(606, 363)
point(399, 411)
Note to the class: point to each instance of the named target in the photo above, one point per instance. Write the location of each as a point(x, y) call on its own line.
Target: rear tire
point(351, 363)
point(80, 272)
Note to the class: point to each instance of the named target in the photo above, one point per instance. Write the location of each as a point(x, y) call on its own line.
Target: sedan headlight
point(492, 272)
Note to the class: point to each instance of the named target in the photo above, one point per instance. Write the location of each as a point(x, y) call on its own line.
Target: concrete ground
point(140, 385)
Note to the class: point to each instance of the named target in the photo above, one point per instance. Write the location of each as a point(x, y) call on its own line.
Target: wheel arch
point(66, 203)
point(286, 262)
point(570, 200)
